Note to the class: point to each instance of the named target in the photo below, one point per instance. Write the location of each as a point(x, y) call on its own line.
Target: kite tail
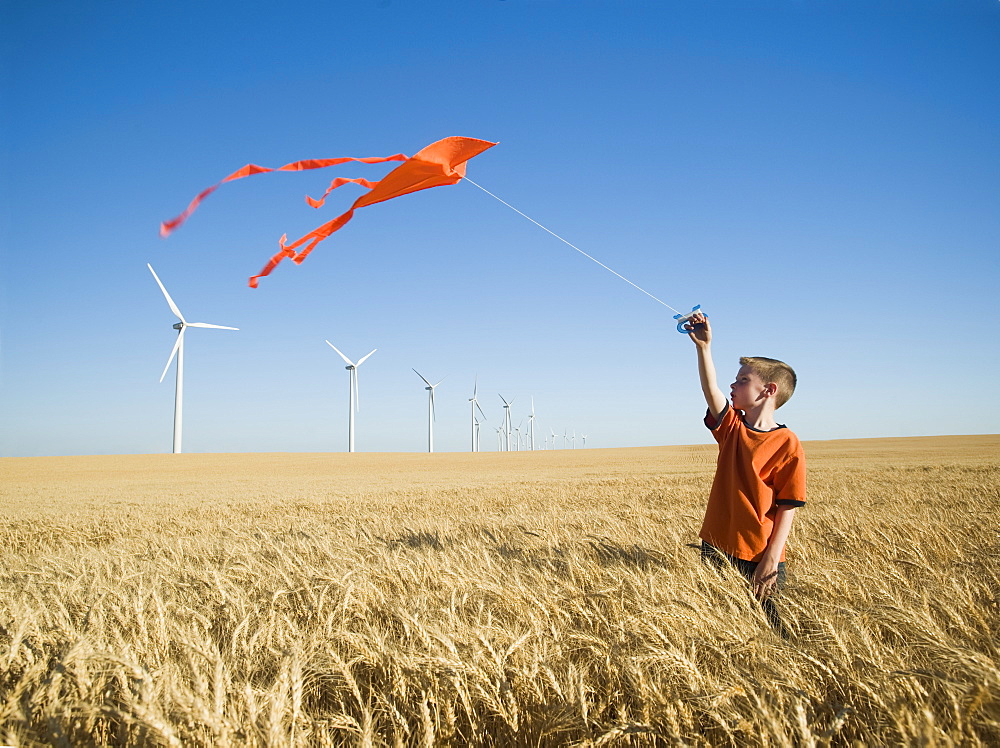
point(167, 227)
point(313, 238)
point(273, 263)
point(339, 182)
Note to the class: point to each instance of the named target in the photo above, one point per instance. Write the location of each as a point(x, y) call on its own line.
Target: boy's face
point(748, 390)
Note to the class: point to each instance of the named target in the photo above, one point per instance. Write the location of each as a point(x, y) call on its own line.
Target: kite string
point(572, 245)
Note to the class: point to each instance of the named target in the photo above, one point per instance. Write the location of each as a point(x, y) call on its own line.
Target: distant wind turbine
point(554, 437)
point(531, 424)
point(506, 420)
point(584, 437)
point(178, 351)
point(475, 423)
point(355, 398)
point(430, 410)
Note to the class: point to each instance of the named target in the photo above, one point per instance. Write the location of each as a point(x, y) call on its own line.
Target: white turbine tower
point(475, 423)
point(565, 437)
point(430, 410)
point(531, 424)
point(506, 420)
point(517, 436)
point(554, 437)
point(573, 438)
point(584, 437)
point(178, 351)
point(355, 399)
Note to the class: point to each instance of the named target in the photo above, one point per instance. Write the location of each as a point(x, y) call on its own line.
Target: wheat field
point(526, 599)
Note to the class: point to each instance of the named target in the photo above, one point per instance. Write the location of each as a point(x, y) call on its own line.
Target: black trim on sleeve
point(790, 502)
point(718, 421)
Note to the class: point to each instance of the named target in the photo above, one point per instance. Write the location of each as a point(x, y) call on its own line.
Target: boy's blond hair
point(772, 370)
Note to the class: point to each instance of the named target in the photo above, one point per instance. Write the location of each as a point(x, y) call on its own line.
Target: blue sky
point(821, 176)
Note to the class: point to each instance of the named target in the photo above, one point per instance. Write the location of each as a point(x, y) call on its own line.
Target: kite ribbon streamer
point(167, 227)
point(441, 163)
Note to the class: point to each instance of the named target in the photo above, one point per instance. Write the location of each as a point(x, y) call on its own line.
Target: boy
point(760, 478)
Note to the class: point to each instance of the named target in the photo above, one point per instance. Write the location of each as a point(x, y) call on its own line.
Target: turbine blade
point(214, 327)
point(481, 410)
point(173, 306)
point(173, 352)
point(364, 358)
point(346, 359)
point(504, 401)
point(433, 411)
point(422, 377)
point(475, 387)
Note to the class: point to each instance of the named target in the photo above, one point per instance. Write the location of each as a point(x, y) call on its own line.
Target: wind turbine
point(506, 420)
point(565, 437)
point(354, 397)
point(584, 437)
point(573, 438)
point(531, 424)
point(430, 410)
point(554, 437)
point(178, 351)
point(517, 436)
point(475, 423)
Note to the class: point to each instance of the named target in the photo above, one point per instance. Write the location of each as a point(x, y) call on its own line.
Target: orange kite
point(438, 164)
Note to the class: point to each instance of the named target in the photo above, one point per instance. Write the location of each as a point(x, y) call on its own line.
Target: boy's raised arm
point(700, 332)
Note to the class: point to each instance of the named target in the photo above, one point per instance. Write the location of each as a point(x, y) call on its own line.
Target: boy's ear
point(771, 389)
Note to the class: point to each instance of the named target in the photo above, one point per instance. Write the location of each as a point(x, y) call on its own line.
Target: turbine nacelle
point(350, 364)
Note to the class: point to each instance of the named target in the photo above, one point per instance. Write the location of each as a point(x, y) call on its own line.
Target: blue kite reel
point(682, 319)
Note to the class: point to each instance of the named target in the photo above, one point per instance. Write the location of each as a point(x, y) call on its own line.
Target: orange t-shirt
point(756, 471)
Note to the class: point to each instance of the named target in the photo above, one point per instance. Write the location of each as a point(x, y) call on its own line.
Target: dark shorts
point(721, 560)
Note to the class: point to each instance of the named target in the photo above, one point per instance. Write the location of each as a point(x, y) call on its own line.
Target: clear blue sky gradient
point(821, 176)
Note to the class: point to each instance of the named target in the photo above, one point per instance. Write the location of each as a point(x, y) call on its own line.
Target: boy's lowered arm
point(700, 332)
point(766, 574)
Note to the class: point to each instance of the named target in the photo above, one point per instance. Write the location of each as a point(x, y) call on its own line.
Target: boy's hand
point(699, 330)
point(765, 578)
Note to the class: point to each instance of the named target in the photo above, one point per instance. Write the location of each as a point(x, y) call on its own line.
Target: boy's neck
point(760, 417)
